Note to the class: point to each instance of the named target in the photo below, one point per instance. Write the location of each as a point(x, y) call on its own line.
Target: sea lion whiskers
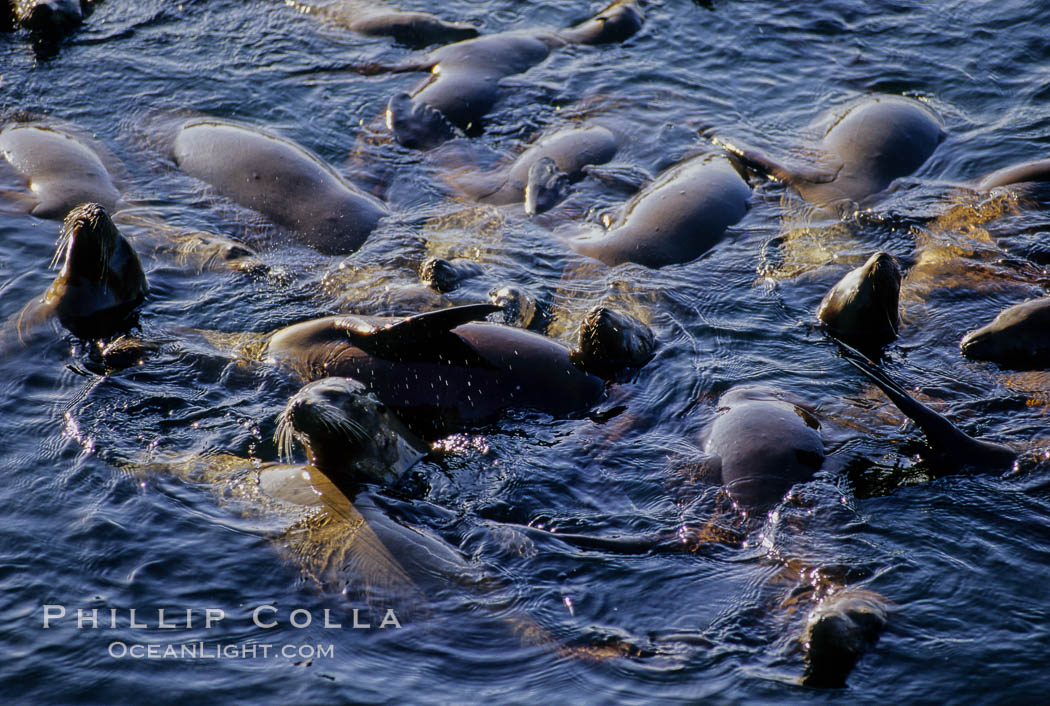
point(89, 220)
point(284, 436)
point(319, 418)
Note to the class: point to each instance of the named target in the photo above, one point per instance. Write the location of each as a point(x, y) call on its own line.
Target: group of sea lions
point(377, 389)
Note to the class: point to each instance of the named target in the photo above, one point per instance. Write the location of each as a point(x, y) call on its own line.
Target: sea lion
point(440, 370)
point(609, 341)
point(414, 29)
point(761, 443)
point(677, 218)
point(948, 449)
point(347, 433)
point(838, 631)
point(327, 516)
point(862, 308)
point(465, 76)
point(201, 249)
point(101, 282)
point(1018, 337)
point(877, 140)
point(281, 180)
point(540, 175)
point(45, 17)
point(60, 170)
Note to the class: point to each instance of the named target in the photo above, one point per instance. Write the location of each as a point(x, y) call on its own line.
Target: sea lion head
point(609, 341)
point(546, 188)
point(101, 280)
point(48, 16)
point(862, 308)
point(416, 125)
point(838, 631)
point(617, 22)
point(347, 433)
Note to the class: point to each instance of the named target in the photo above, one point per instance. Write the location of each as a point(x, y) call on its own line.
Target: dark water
point(964, 559)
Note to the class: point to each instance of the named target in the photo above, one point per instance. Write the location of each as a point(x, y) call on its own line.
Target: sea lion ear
point(417, 125)
point(421, 330)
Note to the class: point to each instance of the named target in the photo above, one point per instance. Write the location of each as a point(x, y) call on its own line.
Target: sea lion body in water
point(100, 284)
point(465, 81)
point(327, 516)
point(761, 443)
point(677, 218)
point(289, 185)
point(414, 29)
point(568, 152)
point(60, 170)
point(876, 141)
point(862, 308)
point(443, 370)
point(1018, 337)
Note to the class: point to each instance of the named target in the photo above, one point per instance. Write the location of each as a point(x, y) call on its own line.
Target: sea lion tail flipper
point(419, 330)
point(751, 159)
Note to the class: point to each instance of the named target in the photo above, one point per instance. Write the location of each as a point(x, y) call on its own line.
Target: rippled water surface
point(966, 560)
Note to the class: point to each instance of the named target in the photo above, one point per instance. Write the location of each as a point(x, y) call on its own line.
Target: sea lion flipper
point(363, 557)
point(421, 330)
point(24, 202)
point(759, 162)
point(951, 445)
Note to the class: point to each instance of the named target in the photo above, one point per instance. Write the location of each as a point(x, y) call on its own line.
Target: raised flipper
point(954, 451)
point(421, 337)
point(546, 188)
point(764, 164)
point(417, 125)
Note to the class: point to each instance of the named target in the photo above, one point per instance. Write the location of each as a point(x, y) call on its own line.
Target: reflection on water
point(963, 559)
